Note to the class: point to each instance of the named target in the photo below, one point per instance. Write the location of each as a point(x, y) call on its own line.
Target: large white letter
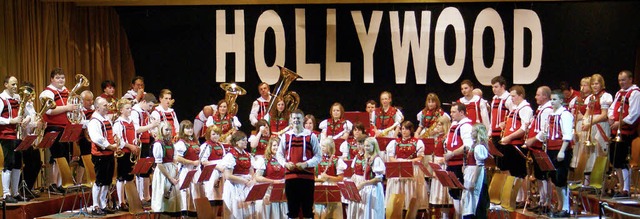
point(419, 45)
point(488, 18)
point(230, 43)
point(309, 72)
point(336, 71)
point(269, 19)
point(449, 73)
point(367, 39)
point(523, 18)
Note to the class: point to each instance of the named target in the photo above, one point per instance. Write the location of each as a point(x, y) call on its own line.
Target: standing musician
point(102, 148)
point(568, 92)
point(136, 93)
point(31, 168)
point(336, 126)
point(260, 140)
point(597, 120)
point(370, 188)
point(164, 113)
point(300, 152)
point(558, 136)
point(428, 117)
point(187, 151)
point(212, 152)
point(476, 110)
point(386, 119)
point(140, 116)
point(533, 142)
point(623, 117)
point(407, 148)
point(439, 195)
point(357, 209)
point(229, 123)
point(199, 123)
point(9, 121)
point(329, 171)
point(351, 147)
point(84, 143)
point(127, 129)
point(268, 170)
point(260, 106)
point(458, 138)
point(500, 107)
point(278, 119)
point(56, 121)
point(238, 173)
point(165, 197)
point(578, 108)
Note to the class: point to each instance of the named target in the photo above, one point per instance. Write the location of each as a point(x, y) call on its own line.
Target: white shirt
point(508, 104)
point(234, 124)
point(634, 102)
point(525, 113)
point(49, 94)
point(484, 114)
point(543, 119)
point(465, 131)
point(118, 128)
point(346, 128)
point(5, 96)
point(391, 148)
point(315, 146)
point(397, 118)
point(565, 123)
point(158, 117)
point(255, 108)
point(95, 129)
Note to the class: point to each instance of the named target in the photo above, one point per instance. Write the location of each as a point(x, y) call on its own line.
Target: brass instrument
point(232, 91)
point(291, 98)
point(118, 153)
point(618, 138)
point(386, 131)
point(505, 126)
point(47, 104)
point(76, 116)
point(26, 95)
point(588, 142)
point(134, 158)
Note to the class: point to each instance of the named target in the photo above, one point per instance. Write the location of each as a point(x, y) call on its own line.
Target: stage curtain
point(36, 37)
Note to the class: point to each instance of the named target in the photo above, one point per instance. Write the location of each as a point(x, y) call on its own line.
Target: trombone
point(618, 138)
point(588, 142)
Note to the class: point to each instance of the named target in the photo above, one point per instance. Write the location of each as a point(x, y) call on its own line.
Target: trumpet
point(618, 138)
point(588, 142)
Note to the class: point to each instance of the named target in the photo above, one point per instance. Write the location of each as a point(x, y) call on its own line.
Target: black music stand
point(206, 172)
point(546, 166)
point(257, 192)
point(399, 169)
point(46, 143)
point(23, 146)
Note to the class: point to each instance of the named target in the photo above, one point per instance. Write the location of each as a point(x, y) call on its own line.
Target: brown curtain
point(36, 37)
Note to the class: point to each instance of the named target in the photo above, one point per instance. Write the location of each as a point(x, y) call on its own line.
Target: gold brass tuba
point(76, 116)
point(232, 91)
point(26, 95)
point(47, 104)
point(291, 98)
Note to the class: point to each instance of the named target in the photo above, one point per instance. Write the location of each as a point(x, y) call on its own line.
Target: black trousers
point(619, 150)
point(124, 168)
point(513, 161)
point(12, 159)
point(456, 193)
point(299, 196)
point(58, 149)
point(85, 148)
point(146, 151)
point(103, 166)
point(32, 166)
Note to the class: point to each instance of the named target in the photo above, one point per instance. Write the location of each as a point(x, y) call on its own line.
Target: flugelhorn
point(76, 116)
point(291, 98)
point(118, 153)
point(232, 91)
point(618, 138)
point(47, 104)
point(588, 141)
point(26, 95)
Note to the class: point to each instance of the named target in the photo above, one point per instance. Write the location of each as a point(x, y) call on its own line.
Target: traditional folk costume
point(213, 152)
point(277, 122)
point(500, 108)
point(355, 209)
point(270, 169)
point(416, 187)
point(199, 127)
point(234, 194)
point(165, 197)
point(189, 150)
point(625, 108)
point(476, 110)
point(373, 195)
point(335, 128)
point(600, 131)
point(167, 115)
point(332, 166)
point(384, 119)
point(8, 138)
point(125, 129)
point(56, 123)
point(476, 201)
point(259, 109)
point(101, 135)
point(578, 104)
point(140, 117)
point(459, 136)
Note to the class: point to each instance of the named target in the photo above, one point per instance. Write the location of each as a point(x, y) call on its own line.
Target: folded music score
point(206, 172)
point(277, 193)
point(446, 178)
point(257, 192)
point(187, 179)
point(324, 194)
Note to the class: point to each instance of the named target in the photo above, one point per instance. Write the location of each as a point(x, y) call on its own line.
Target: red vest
point(473, 111)
point(216, 150)
point(327, 164)
point(169, 117)
point(224, 123)
point(273, 170)
point(579, 105)
point(430, 117)
point(554, 141)
point(358, 169)
point(278, 123)
point(262, 145)
point(335, 127)
point(594, 104)
point(128, 133)
point(193, 150)
point(243, 162)
point(294, 154)
point(498, 112)
point(61, 99)
point(262, 109)
point(406, 149)
point(9, 131)
point(513, 123)
point(536, 127)
point(107, 132)
point(352, 145)
point(438, 149)
point(471, 158)
point(143, 117)
point(383, 119)
point(368, 172)
point(167, 151)
point(454, 141)
point(625, 129)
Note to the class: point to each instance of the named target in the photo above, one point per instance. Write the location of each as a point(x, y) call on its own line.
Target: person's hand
point(324, 177)
point(289, 165)
point(133, 149)
point(561, 156)
point(195, 162)
point(615, 125)
point(360, 186)
point(266, 200)
point(15, 120)
point(528, 143)
point(448, 156)
point(301, 165)
point(505, 140)
point(501, 125)
point(250, 183)
point(173, 181)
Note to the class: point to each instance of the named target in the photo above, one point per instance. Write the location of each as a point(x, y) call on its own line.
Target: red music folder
point(187, 179)
point(399, 169)
point(338, 142)
point(424, 169)
point(47, 140)
point(357, 116)
point(143, 165)
point(26, 143)
point(257, 192)
point(278, 193)
point(206, 172)
point(455, 180)
point(493, 150)
point(447, 181)
point(71, 133)
point(352, 189)
point(349, 171)
point(543, 161)
point(383, 142)
point(326, 194)
point(434, 166)
point(343, 190)
point(429, 145)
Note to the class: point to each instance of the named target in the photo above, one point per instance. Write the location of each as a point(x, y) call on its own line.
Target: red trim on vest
point(385, 120)
point(535, 127)
point(329, 164)
point(334, 128)
point(295, 152)
point(243, 162)
point(61, 100)
point(498, 105)
point(262, 109)
point(368, 171)
point(454, 130)
point(625, 129)
point(107, 132)
point(8, 131)
point(167, 151)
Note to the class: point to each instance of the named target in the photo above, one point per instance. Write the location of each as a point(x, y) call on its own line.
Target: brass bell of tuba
point(291, 98)
point(26, 95)
point(47, 104)
point(232, 91)
point(76, 116)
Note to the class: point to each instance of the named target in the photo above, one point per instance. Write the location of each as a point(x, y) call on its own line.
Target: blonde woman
point(475, 196)
point(371, 189)
point(165, 197)
point(597, 120)
point(212, 152)
point(439, 195)
point(268, 170)
point(329, 172)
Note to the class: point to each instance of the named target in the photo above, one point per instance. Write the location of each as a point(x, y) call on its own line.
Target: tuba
point(232, 91)
point(76, 116)
point(47, 104)
point(26, 95)
point(291, 98)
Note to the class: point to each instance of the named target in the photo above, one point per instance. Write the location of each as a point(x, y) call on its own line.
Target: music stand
point(142, 166)
point(546, 166)
point(429, 145)
point(427, 173)
point(23, 146)
point(447, 180)
point(435, 167)
point(205, 175)
point(349, 171)
point(383, 142)
point(325, 194)
point(357, 116)
point(187, 179)
point(71, 133)
point(45, 143)
point(257, 192)
point(399, 169)
point(277, 193)
point(352, 189)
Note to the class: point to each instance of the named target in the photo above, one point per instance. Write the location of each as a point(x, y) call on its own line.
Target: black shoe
point(561, 214)
point(21, 198)
point(31, 195)
point(533, 208)
point(54, 188)
point(108, 210)
point(623, 194)
point(97, 211)
point(10, 199)
point(123, 207)
point(519, 205)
